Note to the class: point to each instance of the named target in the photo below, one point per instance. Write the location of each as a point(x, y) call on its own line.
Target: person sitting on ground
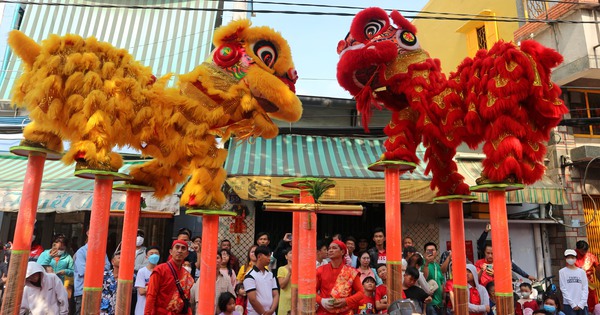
point(479, 300)
point(525, 302)
point(367, 304)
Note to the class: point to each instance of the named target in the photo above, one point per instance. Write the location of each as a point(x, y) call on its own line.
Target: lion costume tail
point(25, 47)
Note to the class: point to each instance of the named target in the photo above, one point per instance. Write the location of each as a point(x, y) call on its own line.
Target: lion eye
point(373, 27)
point(266, 51)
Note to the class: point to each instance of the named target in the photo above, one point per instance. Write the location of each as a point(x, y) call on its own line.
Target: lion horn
point(24, 46)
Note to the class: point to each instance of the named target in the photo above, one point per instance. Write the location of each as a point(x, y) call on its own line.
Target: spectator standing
point(141, 257)
point(363, 245)
point(284, 274)
point(479, 300)
point(378, 253)
point(264, 239)
point(413, 292)
point(109, 287)
point(491, 289)
point(241, 300)
point(573, 286)
point(322, 253)
point(338, 285)
point(367, 304)
point(36, 248)
point(234, 262)
point(164, 295)
point(261, 286)
point(57, 257)
point(225, 267)
point(226, 304)
point(434, 276)
point(79, 272)
point(381, 297)
point(364, 268)
point(143, 277)
point(525, 304)
point(251, 261)
point(197, 247)
point(222, 285)
point(408, 242)
point(351, 244)
point(589, 263)
point(552, 305)
point(283, 247)
point(44, 293)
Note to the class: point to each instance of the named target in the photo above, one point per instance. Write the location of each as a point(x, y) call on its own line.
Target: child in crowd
point(242, 299)
point(367, 305)
point(479, 300)
point(491, 289)
point(381, 301)
point(413, 292)
point(449, 294)
point(525, 302)
point(226, 304)
point(552, 305)
point(573, 286)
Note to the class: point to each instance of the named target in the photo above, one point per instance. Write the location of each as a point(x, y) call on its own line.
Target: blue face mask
point(550, 308)
point(153, 259)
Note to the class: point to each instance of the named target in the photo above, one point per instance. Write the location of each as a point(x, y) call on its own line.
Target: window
point(535, 8)
point(583, 105)
point(481, 39)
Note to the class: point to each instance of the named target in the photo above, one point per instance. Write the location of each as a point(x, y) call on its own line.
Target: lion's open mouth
point(267, 105)
point(367, 76)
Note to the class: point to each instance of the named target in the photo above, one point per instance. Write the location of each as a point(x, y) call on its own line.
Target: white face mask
point(139, 241)
point(571, 261)
point(525, 295)
point(60, 252)
point(189, 269)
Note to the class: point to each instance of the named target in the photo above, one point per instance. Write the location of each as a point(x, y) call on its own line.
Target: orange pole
point(459, 257)
point(97, 237)
point(295, 257)
point(130, 226)
point(208, 265)
point(23, 233)
point(307, 290)
point(502, 261)
point(393, 227)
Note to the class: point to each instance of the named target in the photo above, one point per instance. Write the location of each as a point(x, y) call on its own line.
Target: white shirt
point(574, 286)
point(263, 283)
point(141, 281)
point(49, 299)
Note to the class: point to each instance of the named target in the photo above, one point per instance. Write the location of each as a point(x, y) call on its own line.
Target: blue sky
point(313, 38)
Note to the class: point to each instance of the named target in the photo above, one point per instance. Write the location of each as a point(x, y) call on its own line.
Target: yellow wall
point(447, 40)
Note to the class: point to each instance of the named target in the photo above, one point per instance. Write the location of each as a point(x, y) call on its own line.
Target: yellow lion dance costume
point(98, 97)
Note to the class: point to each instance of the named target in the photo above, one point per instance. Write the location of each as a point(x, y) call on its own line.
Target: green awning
point(61, 191)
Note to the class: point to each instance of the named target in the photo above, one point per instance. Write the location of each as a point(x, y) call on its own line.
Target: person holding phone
point(284, 246)
point(435, 278)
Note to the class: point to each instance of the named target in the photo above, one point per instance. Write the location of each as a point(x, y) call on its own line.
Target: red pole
point(97, 237)
point(23, 233)
point(295, 257)
point(459, 257)
point(208, 265)
point(393, 227)
point(307, 290)
point(130, 226)
point(502, 261)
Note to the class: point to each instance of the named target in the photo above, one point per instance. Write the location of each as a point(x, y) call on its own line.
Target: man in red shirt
point(338, 285)
point(162, 296)
point(589, 263)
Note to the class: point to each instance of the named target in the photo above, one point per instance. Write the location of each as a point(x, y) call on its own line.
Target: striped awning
point(62, 192)
point(255, 170)
point(173, 40)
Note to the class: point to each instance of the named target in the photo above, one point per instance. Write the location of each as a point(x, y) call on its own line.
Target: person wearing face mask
point(143, 277)
point(573, 285)
point(57, 257)
point(552, 305)
point(141, 260)
point(525, 303)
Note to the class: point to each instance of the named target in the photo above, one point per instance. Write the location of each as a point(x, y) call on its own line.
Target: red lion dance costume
point(502, 97)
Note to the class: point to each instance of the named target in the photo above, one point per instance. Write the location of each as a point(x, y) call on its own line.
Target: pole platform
point(92, 174)
point(304, 182)
point(24, 150)
point(133, 187)
point(497, 186)
point(201, 212)
point(380, 166)
point(449, 198)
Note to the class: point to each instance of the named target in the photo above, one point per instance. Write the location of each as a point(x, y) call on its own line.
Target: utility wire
point(313, 13)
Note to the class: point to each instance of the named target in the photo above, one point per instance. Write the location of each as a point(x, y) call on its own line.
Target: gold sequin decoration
point(496, 142)
point(534, 146)
point(511, 66)
point(537, 80)
point(500, 81)
point(491, 100)
point(403, 61)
